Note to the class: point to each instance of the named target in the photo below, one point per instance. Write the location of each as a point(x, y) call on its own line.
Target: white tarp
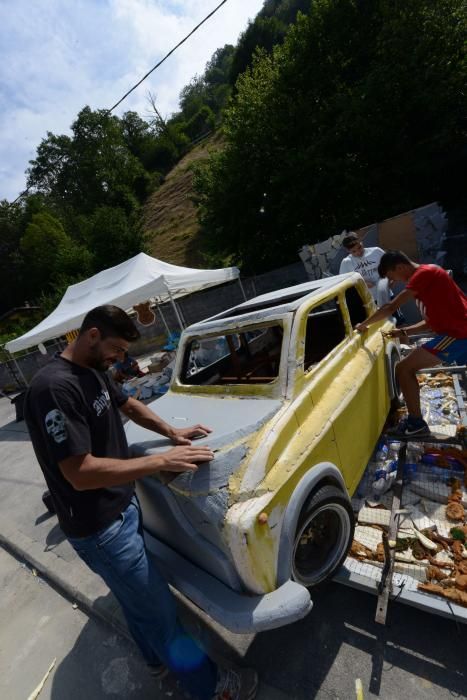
point(133, 281)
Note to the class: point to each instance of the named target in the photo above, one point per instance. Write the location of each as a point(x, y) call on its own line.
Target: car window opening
point(355, 305)
point(248, 357)
point(325, 329)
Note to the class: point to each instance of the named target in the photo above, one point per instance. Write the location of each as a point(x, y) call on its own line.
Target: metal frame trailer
point(390, 586)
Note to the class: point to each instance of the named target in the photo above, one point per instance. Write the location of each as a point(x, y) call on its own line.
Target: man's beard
point(96, 360)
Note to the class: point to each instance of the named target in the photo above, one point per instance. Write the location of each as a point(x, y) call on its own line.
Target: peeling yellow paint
point(332, 413)
point(229, 390)
point(336, 417)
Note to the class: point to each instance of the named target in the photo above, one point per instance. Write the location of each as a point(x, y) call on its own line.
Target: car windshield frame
point(240, 356)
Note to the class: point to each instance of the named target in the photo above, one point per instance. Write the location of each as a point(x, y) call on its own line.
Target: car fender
point(318, 475)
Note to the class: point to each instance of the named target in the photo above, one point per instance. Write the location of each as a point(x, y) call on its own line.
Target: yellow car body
point(316, 417)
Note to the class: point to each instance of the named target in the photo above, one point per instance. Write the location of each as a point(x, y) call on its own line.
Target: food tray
point(424, 498)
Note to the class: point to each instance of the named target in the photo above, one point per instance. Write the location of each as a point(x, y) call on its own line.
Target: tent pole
point(174, 306)
point(241, 287)
point(21, 373)
point(182, 315)
point(18, 368)
point(163, 320)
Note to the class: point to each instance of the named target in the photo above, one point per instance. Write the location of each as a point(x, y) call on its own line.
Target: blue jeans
point(118, 554)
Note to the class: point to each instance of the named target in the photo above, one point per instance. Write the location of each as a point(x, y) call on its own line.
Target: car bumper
point(238, 612)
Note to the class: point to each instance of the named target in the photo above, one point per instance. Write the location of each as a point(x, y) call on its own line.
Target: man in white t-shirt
point(365, 261)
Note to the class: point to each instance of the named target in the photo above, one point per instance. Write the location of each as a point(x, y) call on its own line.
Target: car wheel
point(324, 536)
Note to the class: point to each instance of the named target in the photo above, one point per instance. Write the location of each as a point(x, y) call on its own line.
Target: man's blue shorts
point(448, 350)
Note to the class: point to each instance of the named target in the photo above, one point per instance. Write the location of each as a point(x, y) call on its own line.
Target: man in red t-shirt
point(444, 309)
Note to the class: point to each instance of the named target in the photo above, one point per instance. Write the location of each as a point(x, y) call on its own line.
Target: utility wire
point(149, 73)
point(167, 55)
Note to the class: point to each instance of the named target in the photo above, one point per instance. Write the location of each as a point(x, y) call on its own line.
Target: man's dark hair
point(111, 321)
point(350, 239)
point(389, 261)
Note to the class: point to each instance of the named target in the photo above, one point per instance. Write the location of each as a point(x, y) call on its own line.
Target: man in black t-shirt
point(72, 413)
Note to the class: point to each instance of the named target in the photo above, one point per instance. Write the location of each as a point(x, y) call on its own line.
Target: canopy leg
point(174, 306)
point(164, 321)
point(241, 287)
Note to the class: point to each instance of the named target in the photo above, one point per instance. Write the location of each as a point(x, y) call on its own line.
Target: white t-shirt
point(366, 265)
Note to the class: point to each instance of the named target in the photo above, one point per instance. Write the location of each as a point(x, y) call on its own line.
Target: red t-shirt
point(441, 302)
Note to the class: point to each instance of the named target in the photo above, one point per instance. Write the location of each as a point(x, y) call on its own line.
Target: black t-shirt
point(72, 410)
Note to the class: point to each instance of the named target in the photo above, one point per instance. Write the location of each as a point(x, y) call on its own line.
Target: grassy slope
point(170, 217)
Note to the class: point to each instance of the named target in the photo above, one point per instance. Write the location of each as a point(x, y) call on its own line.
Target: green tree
point(192, 97)
point(162, 154)
point(50, 256)
point(113, 236)
point(94, 167)
point(200, 123)
point(11, 268)
point(137, 134)
point(16, 280)
point(212, 89)
point(359, 115)
point(263, 33)
point(266, 31)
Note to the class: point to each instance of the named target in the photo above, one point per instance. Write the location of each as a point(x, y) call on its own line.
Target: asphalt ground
point(38, 626)
point(415, 655)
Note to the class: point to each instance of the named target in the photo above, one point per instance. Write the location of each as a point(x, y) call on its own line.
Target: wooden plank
point(399, 233)
point(385, 586)
point(459, 398)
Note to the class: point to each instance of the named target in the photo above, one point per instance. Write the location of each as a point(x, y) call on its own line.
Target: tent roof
point(124, 285)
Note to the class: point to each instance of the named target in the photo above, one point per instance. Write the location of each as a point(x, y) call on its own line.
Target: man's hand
point(395, 333)
point(185, 458)
point(183, 436)
point(361, 327)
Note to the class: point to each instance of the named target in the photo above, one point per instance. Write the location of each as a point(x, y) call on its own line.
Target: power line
point(167, 55)
point(148, 73)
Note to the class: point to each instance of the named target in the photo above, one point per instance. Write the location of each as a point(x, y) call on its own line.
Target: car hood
point(230, 418)
point(202, 496)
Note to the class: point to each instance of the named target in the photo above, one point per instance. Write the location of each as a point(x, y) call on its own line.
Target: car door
point(321, 341)
point(362, 401)
point(344, 392)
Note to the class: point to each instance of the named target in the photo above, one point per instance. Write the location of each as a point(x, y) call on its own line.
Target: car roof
point(273, 304)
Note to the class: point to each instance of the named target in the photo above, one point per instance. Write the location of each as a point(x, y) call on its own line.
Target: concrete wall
point(28, 364)
point(276, 279)
point(420, 233)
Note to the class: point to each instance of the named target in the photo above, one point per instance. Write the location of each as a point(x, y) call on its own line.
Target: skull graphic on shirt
point(55, 425)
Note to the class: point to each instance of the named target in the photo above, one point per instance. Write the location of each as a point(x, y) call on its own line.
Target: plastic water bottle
point(411, 462)
point(394, 448)
point(384, 477)
point(381, 453)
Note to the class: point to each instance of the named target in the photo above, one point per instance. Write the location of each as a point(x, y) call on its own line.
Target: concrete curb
point(79, 586)
point(78, 583)
point(103, 607)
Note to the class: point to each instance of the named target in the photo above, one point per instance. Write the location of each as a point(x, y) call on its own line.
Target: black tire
point(324, 536)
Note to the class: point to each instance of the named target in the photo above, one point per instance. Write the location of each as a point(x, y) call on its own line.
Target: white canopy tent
point(133, 281)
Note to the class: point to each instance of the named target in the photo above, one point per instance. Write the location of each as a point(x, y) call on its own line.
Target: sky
point(56, 56)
